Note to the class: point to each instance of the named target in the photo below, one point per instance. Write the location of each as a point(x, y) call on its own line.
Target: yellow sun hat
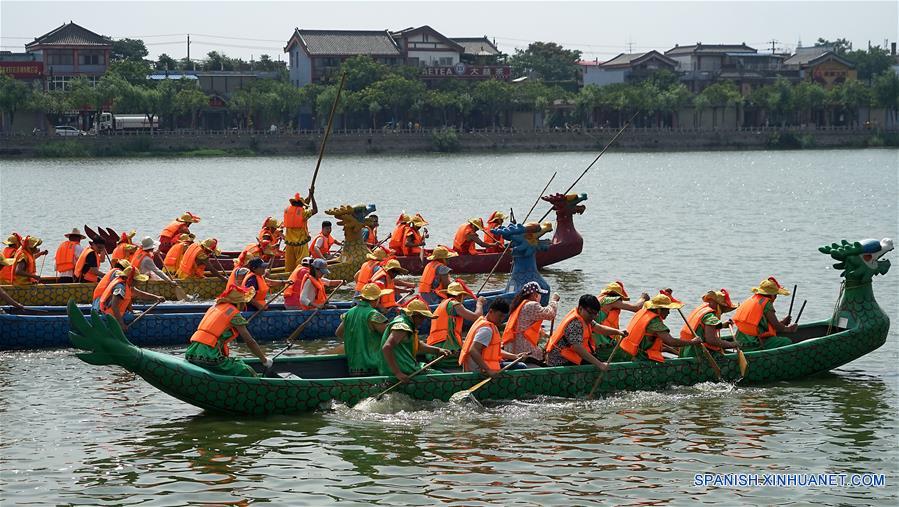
point(616, 287)
point(456, 288)
point(442, 253)
point(6, 261)
point(661, 301)
point(272, 223)
point(496, 216)
point(297, 200)
point(211, 245)
point(188, 218)
point(131, 271)
point(373, 292)
point(478, 223)
point(234, 294)
point(419, 221)
point(129, 248)
point(394, 264)
point(378, 254)
point(770, 287)
point(187, 237)
point(722, 298)
point(417, 306)
point(13, 240)
point(33, 241)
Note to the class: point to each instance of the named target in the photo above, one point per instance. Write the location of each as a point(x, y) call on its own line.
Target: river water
point(76, 434)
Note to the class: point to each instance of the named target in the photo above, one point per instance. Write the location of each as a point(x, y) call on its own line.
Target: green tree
point(399, 93)
point(870, 63)
point(840, 46)
point(886, 94)
point(548, 60)
point(189, 100)
point(13, 95)
point(493, 97)
point(128, 49)
point(722, 94)
point(166, 62)
point(850, 96)
point(808, 97)
point(361, 71)
point(132, 71)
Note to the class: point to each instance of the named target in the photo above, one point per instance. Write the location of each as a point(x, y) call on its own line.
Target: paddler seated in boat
point(495, 244)
point(370, 231)
point(647, 332)
point(87, 268)
point(256, 279)
point(400, 345)
point(612, 300)
point(4, 297)
point(292, 293)
point(105, 281)
point(399, 233)
point(181, 225)
point(572, 341)
point(372, 265)
point(296, 229)
point(118, 253)
point(67, 255)
point(466, 238)
point(322, 243)
point(197, 259)
point(756, 318)
point(451, 314)
point(482, 350)
point(415, 236)
point(435, 276)
point(361, 329)
point(525, 326)
point(173, 256)
point(143, 260)
point(313, 293)
point(262, 249)
point(220, 326)
point(706, 321)
point(12, 244)
point(270, 232)
point(386, 279)
point(116, 298)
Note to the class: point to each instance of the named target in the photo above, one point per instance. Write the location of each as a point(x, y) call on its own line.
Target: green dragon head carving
point(102, 338)
point(860, 261)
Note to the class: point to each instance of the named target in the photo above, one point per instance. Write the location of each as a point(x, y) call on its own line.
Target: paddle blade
point(741, 360)
point(465, 397)
point(180, 294)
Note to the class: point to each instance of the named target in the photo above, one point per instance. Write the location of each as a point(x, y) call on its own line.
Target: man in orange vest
point(87, 268)
point(222, 323)
point(321, 245)
point(25, 262)
point(435, 276)
point(297, 276)
point(116, 298)
point(173, 257)
point(312, 288)
point(482, 351)
point(179, 226)
point(262, 249)
point(398, 236)
point(13, 242)
point(196, 260)
point(525, 326)
point(270, 232)
point(446, 328)
point(386, 279)
point(67, 255)
point(647, 332)
point(612, 300)
point(467, 237)
point(4, 297)
point(256, 279)
point(495, 244)
point(372, 265)
point(118, 253)
point(706, 321)
point(296, 229)
point(370, 231)
point(756, 319)
point(572, 341)
point(415, 237)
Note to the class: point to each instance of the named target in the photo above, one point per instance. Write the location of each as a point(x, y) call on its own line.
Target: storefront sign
point(465, 71)
point(22, 70)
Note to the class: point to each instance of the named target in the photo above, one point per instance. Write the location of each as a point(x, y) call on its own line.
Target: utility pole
point(188, 47)
point(630, 46)
point(773, 45)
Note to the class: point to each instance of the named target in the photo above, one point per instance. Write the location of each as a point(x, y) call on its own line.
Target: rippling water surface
point(75, 434)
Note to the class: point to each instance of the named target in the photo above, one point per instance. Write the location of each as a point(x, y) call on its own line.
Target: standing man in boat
point(220, 326)
point(386, 279)
point(482, 350)
point(415, 237)
point(173, 256)
point(296, 229)
point(361, 329)
point(119, 252)
point(435, 276)
point(572, 342)
point(370, 231)
point(255, 279)
point(313, 293)
point(321, 245)
point(467, 237)
point(612, 300)
point(400, 345)
point(706, 321)
point(196, 260)
point(756, 318)
point(451, 314)
point(87, 268)
point(525, 326)
point(179, 226)
point(116, 298)
point(647, 332)
point(67, 255)
point(495, 244)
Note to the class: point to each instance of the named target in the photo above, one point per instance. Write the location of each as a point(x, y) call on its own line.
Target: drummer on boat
point(495, 244)
point(196, 260)
point(119, 252)
point(181, 225)
point(450, 316)
point(361, 329)
point(270, 232)
point(256, 279)
point(756, 318)
point(296, 228)
point(612, 300)
point(524, 329)
point(87, 268)
point(222, 323)
point(25, 262)
point(67, 255)
point(116, 298)
point(466, 238)
point(262, 249)
point(706, 321)
point(647, 332)
point(400, 345)
point(399, 233)
point(435, 276)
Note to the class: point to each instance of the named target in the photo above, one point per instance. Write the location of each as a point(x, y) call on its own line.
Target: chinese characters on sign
point(465, 71)
point(22, 70)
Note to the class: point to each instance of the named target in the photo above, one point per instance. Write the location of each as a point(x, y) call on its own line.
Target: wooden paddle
point(286, 285)
point(296, 333)
point(804, 301)
point(706, 353)
point(741, 359)
point(321, 151)
point(792, 298)
point(468, 394)
point(394, 386)
point(603, 372)
point(148, 310)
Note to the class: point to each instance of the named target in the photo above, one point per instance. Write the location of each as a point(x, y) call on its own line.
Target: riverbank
point(246, 143)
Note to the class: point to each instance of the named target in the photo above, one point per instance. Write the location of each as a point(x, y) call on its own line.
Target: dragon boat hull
point(484, 262)
point(58, 294)
point(173, 325)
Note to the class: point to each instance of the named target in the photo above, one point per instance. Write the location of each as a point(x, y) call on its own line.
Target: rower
point(756, 319)
point(256, 279)
point(495, 244)
point(321, 245)
point(296, 229)
point(144, 261)
point(400, 345)
point(435, 276)
point(262, 249)
point(482, 351)
point(467, 237)
point(221, 324)
point(399, 233)
point(370, 231)
point(292, 293)
point(372, 265)
point(572, 342)
point(87, 268)
point(415, 236)
point(386, 279)
point(173, 256)
point(116, 298)
point(706, 321)
point(67, 255)
point(118, 253)
point(270, 232)
point(196, 258)
point(361, 329)
point(525, 327)
point(647, 333)
point(104, 282)
point(179, 226)
point(612, 300)
point(313, 294)
point(446, 328)
point(13, 242)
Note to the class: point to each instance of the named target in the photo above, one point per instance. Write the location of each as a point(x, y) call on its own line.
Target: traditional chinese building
point(821, 65)
point(625, 68)
point(70, 52)
point(700, 64)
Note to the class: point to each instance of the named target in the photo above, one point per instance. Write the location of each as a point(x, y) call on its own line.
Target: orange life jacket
point(215, 322)
point(426, 284)
point(461, 244)
point(295, 218)
point(65, 256)
point(493, 353)
point(321, 295)
point(416, 238)
point(440, 326)
point(366, 271)
point(23, 254)
point(397, 239)
point(750, 313)
point(531, 333)
point(6, 272)
point(261, 291)
point(104, 282)
point(172, 231)
point(106, 298)
point(297, 276)
point(80, 272)
point(118, 253)
point(694, 321)
point(274, 234)
point(173, 256)
point(327, 243)
point(189, 268)
point(612, 317)
point(568, 353)
point(384, 279)
point(636, 330)
point(496, 242)
point(249, 252)
point(138, 257)
point(372, 239)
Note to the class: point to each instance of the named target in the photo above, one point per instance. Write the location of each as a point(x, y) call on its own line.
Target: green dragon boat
point(308, 383)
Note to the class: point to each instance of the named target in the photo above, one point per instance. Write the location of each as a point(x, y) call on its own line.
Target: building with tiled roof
point(314, 55)
point(478, 49)
point(700, 63)
point(69, 52)
point(821, 65)
point(625, 68)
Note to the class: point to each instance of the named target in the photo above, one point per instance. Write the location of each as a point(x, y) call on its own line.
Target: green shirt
point(405, 352)
point(763, 322)
point(656, 325)
point(709, 319)
point(361, 341)
point(454, 336)
point(605, 300)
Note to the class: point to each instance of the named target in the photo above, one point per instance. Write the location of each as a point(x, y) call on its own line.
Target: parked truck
point(108, 122)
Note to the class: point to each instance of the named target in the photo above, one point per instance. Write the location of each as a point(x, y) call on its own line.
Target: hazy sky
point(599, 29)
